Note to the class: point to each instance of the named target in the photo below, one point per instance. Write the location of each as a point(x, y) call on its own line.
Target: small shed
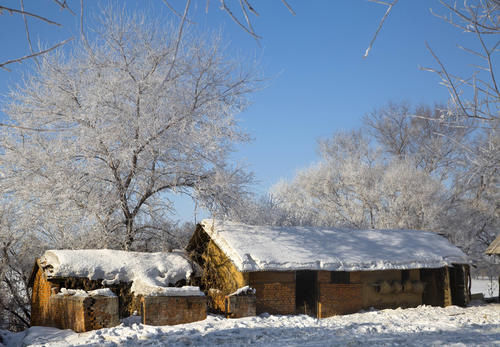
point(494, 250)
point(91, 289)
point(324, 272)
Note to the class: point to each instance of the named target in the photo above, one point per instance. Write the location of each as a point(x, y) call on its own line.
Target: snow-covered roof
point(149, 272)
point(266, 248)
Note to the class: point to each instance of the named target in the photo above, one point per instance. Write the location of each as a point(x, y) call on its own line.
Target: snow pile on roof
point(147, 271)
point(173, 291)
point(265, 248)
point(246, 290)
point(83, 293)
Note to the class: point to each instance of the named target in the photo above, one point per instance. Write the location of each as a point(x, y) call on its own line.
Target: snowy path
point(429, 326)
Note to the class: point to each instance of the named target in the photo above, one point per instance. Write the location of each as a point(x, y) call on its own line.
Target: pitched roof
point(494, 248)
point(149, 272)
point(266, 248)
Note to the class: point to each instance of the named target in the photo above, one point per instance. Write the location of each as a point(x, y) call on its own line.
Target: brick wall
point(170, 310)
point(101, 312)
point(334, 299)
point(67, 312)
point(238, 306)
point(70, 312)
point(83, 313)
point(275, 291)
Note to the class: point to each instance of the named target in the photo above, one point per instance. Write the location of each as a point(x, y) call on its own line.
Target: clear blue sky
point(318, 80)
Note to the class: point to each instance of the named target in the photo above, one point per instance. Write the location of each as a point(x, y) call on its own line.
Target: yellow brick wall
point(171, 310)
point(275, 291)
point(238, 306)
point(335, 299)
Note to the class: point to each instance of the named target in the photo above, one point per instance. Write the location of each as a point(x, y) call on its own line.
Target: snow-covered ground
point(422, 326)
point(486, 286)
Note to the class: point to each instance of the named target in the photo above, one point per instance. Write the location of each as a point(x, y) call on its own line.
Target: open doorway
point(459, 278)
point(305, 292)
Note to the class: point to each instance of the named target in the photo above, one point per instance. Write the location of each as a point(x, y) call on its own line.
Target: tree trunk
point(129, 222)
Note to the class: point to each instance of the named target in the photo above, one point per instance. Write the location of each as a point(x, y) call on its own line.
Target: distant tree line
point(405, 168)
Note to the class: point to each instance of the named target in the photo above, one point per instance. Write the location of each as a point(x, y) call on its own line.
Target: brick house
point(91, 289)
point(325, 272)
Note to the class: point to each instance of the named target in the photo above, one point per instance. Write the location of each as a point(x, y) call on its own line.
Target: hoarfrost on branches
point(352, 186)
point(101, 136)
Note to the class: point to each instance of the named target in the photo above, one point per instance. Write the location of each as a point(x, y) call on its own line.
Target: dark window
point(405, 276)
point(339, 277)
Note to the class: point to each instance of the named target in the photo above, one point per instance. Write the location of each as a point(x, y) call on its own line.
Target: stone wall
point(238, 306)
point(171, 310)
point(275, 291)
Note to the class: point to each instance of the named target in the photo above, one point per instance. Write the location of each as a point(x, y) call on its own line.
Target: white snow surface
point(487, 286)
point(265, 248)
point(180, 291)
point(421, 326)
point(243, 290)
point(149, 272)
point(81, 292)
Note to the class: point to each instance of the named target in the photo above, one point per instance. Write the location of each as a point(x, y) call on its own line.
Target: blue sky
point(318, 81)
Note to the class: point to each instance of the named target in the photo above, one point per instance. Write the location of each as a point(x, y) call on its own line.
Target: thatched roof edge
point(494, 247)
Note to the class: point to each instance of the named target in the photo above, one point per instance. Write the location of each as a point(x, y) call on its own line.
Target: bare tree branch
point(179, 38)
point(288, 7)
point(389, 9)
point(27, 30)
point(26, 13)
point(236, 20)
point(18, 60)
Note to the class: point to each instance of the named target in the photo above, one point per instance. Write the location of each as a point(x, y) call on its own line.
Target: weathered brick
point(275, 292)
point(334, 299)
point(83, 313)
point(171, 310)
point(238, 306)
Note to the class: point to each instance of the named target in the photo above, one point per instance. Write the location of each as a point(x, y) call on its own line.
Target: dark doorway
point(305, 292)
point(434, 280)
point(458, 285)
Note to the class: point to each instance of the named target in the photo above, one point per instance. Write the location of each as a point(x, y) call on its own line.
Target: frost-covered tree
point(16, 261)
point(101, 136)
point(354, 187)
point(431, 138)
point(475, 217)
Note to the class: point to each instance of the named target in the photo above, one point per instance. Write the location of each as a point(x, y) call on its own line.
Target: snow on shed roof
point(266, 248)
point(494, 248)
point(149, 272)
